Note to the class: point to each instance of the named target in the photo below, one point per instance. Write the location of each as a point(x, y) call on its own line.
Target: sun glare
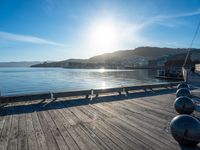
point(103, 85)
point(102, 70)
point(103, 36)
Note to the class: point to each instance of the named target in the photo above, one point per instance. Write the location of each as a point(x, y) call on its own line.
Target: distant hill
point(146, 52)
point(119, 59)
point(18, 64)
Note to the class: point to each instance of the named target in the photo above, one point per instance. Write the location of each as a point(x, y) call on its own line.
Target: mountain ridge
point(18, 64)
point(118, 59)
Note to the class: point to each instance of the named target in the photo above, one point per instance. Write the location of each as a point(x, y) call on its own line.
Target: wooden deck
point(138, 121)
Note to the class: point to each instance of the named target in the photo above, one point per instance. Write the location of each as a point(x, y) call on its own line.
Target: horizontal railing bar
point(71, 93)
point(87, 93)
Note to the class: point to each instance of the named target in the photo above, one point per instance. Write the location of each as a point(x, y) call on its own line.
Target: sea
point(33, 80)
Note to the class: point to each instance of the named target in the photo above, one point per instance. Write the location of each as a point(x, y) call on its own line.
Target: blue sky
point(62, 29)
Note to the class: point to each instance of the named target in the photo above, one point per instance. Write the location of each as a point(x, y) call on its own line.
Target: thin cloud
point(188, 14)
point(159, 19)
point(130, 32)
point(27, 39)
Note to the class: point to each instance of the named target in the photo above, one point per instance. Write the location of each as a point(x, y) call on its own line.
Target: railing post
point(92, 93)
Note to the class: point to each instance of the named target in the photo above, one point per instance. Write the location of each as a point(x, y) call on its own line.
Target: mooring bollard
point(185, 128)
point(184, 105)
point(183, 92)
point(182, 85)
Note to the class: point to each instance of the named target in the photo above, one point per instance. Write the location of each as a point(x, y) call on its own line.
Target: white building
point(197, 66)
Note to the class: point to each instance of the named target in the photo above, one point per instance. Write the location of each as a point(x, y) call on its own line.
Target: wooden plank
point(55, 131)
point(60, 123)
point(93, 114)
point(147, 117)
point(68, 115)
point(32, 141)
point(102, 136)
point(4, 137)
point(78, 131)
point(156, 137)
point(22, 138)
point(119, 139)
point(156, 106)
point(140, 123)
point(111, 135)
point(150, 127)
point(87, 140)
point(144, 135)
point(13, 137)
point(147, 104)
point(2, 118)
point(101, 144)
point(100, 111)
point(79, 140)
point(154, 143)
point(152, 133)
point(50, 140)
point(134, 137)
point(158, 112)
point(126, 109)
point(39, 134)
point(82, 117)
point(111, 108)
point(153, 112)
point(164, 100)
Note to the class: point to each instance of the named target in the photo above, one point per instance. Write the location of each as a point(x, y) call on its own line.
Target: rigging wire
point(191, 44)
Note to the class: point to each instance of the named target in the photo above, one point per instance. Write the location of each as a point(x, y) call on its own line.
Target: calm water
point(28, 80)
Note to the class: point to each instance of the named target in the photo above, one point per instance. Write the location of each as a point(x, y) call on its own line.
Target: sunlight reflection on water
point(27, 80)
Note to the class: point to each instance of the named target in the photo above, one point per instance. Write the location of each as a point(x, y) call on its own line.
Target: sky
point(42, 30)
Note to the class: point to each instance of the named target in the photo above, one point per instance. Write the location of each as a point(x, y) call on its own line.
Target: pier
point(117, 118)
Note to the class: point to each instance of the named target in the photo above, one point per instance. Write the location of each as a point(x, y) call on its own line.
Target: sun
point(103, 36)
point(102, 70)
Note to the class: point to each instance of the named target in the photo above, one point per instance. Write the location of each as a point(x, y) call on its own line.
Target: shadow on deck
point(43, 105)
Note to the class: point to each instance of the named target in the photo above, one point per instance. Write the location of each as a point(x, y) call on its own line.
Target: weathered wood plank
point(149, 140)
point(68, 115)
point(159, 113)
point(150, 126)
point(82, 117)
point(55, 131)
point(120, 120)
point(156, 106)
point(22, 138)
point(51, 142)
point(42, 144)
point(132, 123)
point(134, 138)
point(4, 136)
point(101, 144)
point(32, 141)
point(61, 123)
point(13, 136)
point(102, 136)
point(2, 119)
point(135, 110)
point(111, 135)
point(119, 139)
point(88, 141)
point(80, 142)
